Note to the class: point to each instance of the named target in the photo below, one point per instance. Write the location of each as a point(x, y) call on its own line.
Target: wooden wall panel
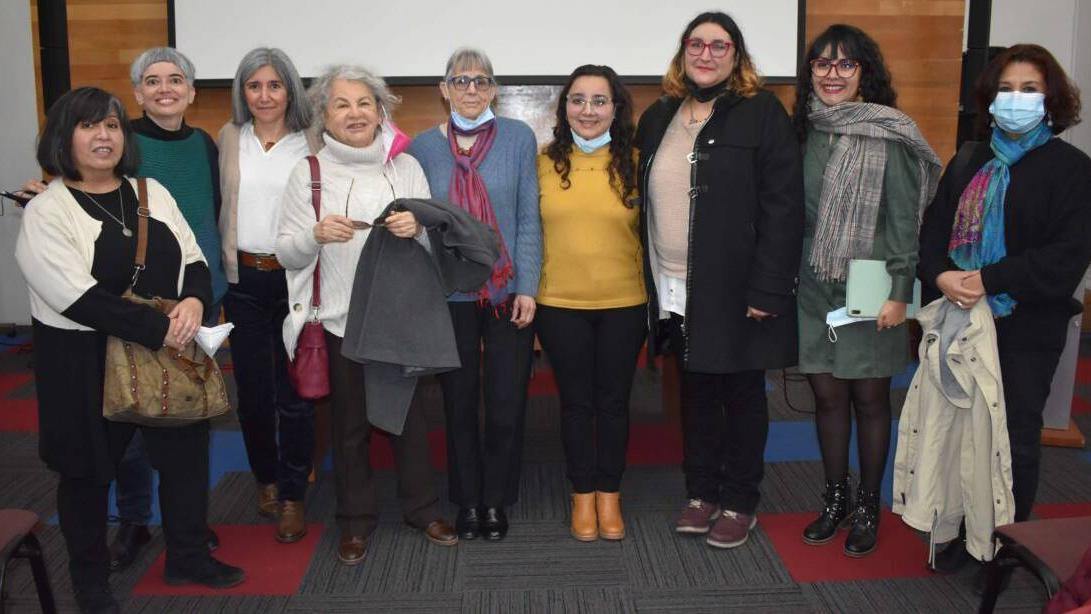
point(921, 39)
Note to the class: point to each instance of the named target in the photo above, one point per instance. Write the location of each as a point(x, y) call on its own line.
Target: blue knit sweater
point(511, 176)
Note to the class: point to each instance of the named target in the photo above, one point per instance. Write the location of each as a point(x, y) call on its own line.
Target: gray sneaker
point(696, 517)
point(732, 529)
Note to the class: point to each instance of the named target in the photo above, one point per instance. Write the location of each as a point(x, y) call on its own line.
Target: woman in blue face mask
point(486, 165)
point(591, 319)
point(1010, 225)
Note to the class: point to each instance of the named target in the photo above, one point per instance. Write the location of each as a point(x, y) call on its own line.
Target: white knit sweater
point(374, 184)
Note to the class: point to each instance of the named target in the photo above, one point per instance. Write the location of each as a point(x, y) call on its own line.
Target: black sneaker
point(213, 540)
point(952, 558)
point(96, 599)
point(207, 571)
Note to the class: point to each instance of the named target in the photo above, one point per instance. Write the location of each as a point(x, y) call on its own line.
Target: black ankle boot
point(864, 533)
point(834, 516)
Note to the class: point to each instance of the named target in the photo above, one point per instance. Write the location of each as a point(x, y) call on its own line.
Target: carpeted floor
point(539, 568)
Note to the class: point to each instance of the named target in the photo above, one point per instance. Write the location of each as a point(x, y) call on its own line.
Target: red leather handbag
point(310, 369)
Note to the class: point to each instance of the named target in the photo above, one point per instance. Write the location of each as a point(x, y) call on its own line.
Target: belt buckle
point(266, 264)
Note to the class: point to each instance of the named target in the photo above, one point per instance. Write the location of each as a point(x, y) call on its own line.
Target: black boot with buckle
point(834, 516)
point(864, 534)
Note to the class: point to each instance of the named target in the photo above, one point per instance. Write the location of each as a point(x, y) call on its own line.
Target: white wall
point(18, 129)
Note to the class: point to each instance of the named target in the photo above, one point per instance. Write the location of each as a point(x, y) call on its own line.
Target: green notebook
point(868, 287)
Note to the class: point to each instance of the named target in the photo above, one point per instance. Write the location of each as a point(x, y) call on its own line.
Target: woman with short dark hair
point(76, 249)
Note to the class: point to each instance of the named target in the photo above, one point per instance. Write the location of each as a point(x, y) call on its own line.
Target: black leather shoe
point(213, 540)
point(468, 523)
point(952, 558)
point(836, 515)
point(864, 534)
point(127, 543)
point(208, 572)
point(494, 526)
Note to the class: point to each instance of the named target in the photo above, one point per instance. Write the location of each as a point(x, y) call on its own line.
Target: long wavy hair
point(744, 79)
point(854, 44)
point(622, 168)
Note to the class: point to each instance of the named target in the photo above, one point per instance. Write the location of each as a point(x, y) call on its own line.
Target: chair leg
point(3, 577)
point(994, 572)
point(31, 549)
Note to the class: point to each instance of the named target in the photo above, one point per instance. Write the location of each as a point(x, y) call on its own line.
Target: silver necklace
point(121, 197)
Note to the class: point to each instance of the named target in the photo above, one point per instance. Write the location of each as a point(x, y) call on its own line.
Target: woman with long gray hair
point(258, 149)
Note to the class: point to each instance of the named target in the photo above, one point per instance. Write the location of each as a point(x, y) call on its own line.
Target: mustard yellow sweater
point(591, 257)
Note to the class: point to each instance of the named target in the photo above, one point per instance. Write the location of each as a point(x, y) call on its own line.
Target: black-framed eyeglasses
point(462, 82)
point(844, 68)
point(596, 102)
point(717, 48)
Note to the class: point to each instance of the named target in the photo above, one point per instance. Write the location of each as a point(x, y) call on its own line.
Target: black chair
point(1050, 549)
point(17, 540)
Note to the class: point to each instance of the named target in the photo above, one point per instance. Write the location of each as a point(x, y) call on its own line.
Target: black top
point(1047, 232)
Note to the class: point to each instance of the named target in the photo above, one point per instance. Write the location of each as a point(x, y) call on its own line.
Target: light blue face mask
point(1018, 112)
point(465, 124)
point(590, 145)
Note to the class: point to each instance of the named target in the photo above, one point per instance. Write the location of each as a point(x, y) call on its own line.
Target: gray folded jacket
point(398, 323)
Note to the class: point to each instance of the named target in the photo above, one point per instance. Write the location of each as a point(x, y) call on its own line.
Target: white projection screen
point(409, 41)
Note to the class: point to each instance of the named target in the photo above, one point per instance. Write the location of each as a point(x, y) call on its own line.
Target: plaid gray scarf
point(852, 184)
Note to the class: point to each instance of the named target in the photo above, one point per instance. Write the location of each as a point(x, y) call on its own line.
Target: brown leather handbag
point(309, 371)
point(164, 387)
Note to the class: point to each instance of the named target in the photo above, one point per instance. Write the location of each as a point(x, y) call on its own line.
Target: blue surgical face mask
point(1018, 112)
point(590, 145)
point(464, 124)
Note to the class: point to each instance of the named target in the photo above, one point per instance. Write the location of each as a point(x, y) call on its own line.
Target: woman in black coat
point(1029, 262)
point(722, 228)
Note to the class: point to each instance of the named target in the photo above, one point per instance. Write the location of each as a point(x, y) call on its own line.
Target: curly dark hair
point(1062, 96)
point(853, 43)
point(622, 167)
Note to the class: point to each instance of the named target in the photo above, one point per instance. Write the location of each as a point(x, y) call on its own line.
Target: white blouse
point(262, 178)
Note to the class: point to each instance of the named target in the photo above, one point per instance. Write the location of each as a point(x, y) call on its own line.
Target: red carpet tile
point(17, 415)
point(901, 553)
point(542, 383)
point(1062, 510)
point(1080, 406)
point(1083, 370)
point(381, 451)
point(655, 444)
point(271, 568)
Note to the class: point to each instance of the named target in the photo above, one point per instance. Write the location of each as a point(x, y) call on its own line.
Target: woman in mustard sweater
point(591, 316)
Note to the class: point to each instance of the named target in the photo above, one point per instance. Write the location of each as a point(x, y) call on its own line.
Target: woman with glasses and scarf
point(867, 174)
point(1011, 226)
point(486, 165)
point(722, 228)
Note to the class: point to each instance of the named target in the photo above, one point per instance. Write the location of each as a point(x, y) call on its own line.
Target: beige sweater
point(668, 189)
point(228, 142)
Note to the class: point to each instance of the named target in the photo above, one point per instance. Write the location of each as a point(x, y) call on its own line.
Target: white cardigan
point(56, 248)
point(371, 180)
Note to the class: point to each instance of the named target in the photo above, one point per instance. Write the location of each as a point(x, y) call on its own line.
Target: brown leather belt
point(261, 262)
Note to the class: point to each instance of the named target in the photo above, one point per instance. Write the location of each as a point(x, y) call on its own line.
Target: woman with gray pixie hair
point(361, 173)
point(259, 147)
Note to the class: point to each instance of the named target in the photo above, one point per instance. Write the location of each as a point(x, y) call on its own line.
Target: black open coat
point(745, 234)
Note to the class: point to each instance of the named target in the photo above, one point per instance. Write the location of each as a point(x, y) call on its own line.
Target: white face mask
point(1018, 112)
point(590, 145)
point(465, 124)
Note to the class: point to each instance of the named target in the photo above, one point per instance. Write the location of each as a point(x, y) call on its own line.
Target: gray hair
point(465, 58)
point(319, 92)
point(161, 54)
point(298, 115)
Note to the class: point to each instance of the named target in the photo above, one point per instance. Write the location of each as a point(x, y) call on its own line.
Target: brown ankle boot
point(584, 523)
point(608, 505)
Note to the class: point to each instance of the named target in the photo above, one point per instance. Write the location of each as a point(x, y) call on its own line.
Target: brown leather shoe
point(608, 505)
point(352, 550)
point(584, 518)
point(292, 525)
point(441, 533)
point(267, 500)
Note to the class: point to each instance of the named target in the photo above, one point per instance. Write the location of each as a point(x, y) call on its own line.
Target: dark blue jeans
point(277, 426)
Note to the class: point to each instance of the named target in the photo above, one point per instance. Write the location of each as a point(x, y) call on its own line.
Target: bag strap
point(142, 213)
point(316, 202)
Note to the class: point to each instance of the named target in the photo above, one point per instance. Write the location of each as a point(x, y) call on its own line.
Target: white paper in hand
point(210, 339)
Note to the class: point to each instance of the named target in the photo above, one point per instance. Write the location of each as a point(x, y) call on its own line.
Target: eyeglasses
point(462, 82)
point(717, 48)
point(597, 102)
point(845, 68)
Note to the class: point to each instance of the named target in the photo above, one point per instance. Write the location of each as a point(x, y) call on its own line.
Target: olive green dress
point(860, 351)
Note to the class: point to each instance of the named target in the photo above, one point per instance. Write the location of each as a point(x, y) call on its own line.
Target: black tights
point(871, 399)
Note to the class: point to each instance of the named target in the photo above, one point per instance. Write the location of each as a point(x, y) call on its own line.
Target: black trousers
point(725, 423)
point(277, 426)
point(1027, 376)
point(357, 508)
point(484, 469)
point(180, 454)
point(593, 353)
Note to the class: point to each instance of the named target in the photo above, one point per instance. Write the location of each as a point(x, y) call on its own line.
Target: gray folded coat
point(398, 323)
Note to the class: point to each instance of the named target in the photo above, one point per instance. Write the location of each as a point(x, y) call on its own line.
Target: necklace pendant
point(125, 231)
